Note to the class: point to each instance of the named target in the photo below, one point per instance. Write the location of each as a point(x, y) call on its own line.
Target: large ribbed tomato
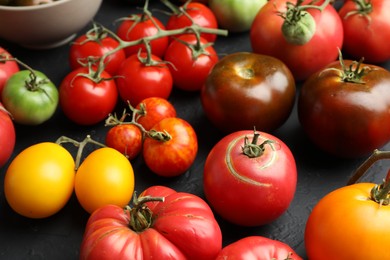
point(182, 226)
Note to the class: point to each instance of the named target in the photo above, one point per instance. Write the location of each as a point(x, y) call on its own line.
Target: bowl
point(48, 25)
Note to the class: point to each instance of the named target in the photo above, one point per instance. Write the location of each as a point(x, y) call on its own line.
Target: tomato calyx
point(364, 8)
point(252, 149)
point(299, 25)
point(141, 217)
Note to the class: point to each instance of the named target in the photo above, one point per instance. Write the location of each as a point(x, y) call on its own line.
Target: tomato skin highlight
point(39, 181)
point(345, 219)
point(264, 186)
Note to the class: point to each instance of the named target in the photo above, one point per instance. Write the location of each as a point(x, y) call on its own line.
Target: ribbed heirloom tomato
point(249, 178)
point(177, 226)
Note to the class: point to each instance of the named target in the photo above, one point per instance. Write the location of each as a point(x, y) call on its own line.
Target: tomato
point(171, 147)
point(95, 44)
point(348, 224)
point(191, 61)
point(30, 97)
point(246, 90)
point(138, 79)
point(303, 58)
point(345, 110)
point(180, 227)
point(236, 15)
point(366, 29)
point(39, 181)
point(7, 136)
point(137, 27)
point(193, 13)
point(7, 68)
point(257, 247)
point(87, 98)
point(105, 177)
point(261, 171)
point(125, 138)
point(152, 110)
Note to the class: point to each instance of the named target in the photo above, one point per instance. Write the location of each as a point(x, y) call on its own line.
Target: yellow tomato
point(40, 180)
point(105, 177)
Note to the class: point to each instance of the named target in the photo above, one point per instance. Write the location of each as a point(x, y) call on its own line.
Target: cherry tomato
point(138, 79)
point(181, 227)
point(7, 136)
point(261, 171)
point(39, 181)
point(94, 44)
point(196, 13)
point(348, 224)
point(246, 90)
point(152, 110)
point(303, 59)
point(366, 29)
point(105, 177)
point(125, 138)
point(7, 68)
point(173, 152)
point(137, 27)
point(344, 109)
point(257, 247)
point(190, 65)
point(85, 101)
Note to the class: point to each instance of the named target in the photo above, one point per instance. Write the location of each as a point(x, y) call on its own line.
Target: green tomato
point(30, 97)
point(236, 15)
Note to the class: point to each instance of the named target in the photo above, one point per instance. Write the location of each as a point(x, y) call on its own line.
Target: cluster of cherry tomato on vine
point(346, 123)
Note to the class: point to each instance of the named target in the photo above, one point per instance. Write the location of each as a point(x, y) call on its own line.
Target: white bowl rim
point(33, 7)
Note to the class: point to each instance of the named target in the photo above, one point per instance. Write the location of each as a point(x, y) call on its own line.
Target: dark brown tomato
point(345, 118)
point(246, 90)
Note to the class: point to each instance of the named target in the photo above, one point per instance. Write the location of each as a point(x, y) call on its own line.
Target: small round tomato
point(257, 247)
point(125, 138)
point(138, 79)
point(39, 181)
point(30, 97)
point(246, 90)
point(193, 13)
point(7, 67)
point(345, 108)
point(191, 61)
point(104, 177)
point(94, 44)
point(137, 27)
point(87, 99)
point(366, 29)
point(170, 147)
point(7, 136)
point(236, 15)
point(261, 171)
point(152, 110)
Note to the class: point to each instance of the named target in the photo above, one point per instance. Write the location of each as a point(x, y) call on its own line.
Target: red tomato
point(244, 89)
point(137, 27)
point(344, 111)
point(173, 151)
point(196, 13)
point(84, 101)
point(261, 171)
point(7, 136)
point(125, 138)
point(190, 66)
point(257, 247)
point(7, 68)
point(95, 44)
point(303, 59)
point(181, 227)
point(137, 80)
point(152, 110)
point(366, 29)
